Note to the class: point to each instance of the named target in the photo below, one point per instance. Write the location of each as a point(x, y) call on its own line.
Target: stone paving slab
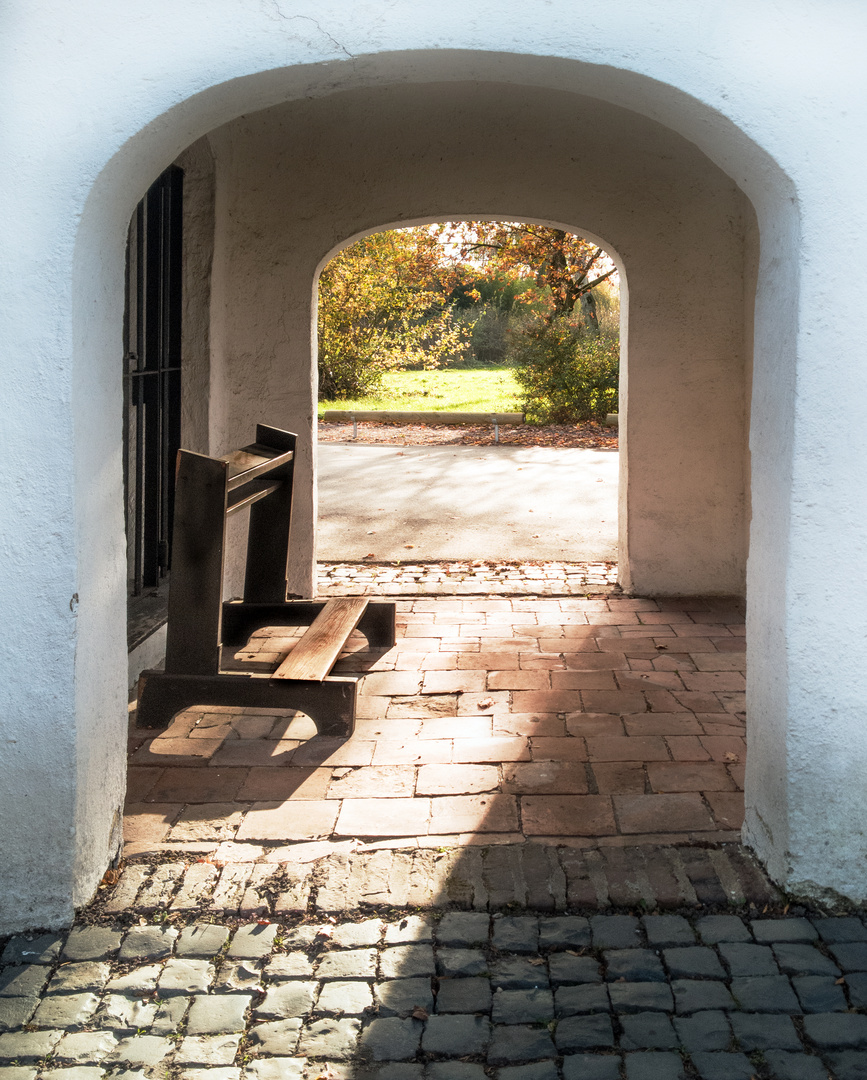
point(572, 716)
point(334, 1002)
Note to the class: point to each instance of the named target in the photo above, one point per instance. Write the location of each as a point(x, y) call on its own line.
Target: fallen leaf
point(536, 961)
point(732, 757)
point(419, 1013)
point(370, 555)
point(661, 647)
point(841, 981)
point(263, 922)
point(409, 545)
point(486, 704)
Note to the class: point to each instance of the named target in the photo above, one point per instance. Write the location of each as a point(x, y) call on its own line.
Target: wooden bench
point(204, 633)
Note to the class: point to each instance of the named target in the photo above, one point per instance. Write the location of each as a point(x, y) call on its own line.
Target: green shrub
point(566, 375)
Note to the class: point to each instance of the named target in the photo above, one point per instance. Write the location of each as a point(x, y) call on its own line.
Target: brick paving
point(564, 719)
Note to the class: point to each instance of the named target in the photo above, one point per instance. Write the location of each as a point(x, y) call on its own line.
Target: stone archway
point(286, 113)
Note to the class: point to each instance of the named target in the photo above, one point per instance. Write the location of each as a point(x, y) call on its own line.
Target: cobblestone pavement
point(467, 578)
point(450, 995)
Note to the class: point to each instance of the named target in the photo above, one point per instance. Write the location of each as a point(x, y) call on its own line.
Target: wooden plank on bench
point(314, 655)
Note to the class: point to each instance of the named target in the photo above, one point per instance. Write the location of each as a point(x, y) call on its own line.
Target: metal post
point(354, 426)
point(496, 427)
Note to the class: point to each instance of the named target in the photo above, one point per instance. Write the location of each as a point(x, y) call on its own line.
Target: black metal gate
point(152, 378)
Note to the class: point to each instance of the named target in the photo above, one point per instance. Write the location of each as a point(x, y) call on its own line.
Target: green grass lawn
point(489, 389)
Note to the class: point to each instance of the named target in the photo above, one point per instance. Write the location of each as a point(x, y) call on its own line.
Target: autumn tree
point(382, 306)
point(567, 267)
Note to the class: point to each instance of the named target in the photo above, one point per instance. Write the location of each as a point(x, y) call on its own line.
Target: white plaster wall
point(362, 159)
point(101, 97)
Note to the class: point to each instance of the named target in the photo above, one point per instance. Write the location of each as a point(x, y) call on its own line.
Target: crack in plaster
point(278, 11)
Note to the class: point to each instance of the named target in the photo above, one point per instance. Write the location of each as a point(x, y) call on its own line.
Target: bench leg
point(329, 704)
point(377, 625)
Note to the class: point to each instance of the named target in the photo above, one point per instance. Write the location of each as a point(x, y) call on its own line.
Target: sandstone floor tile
point(165, 752)
point(292, 820)
point(546, 700)
point(614, 618)
point(620, 777)
point(516, 679)
point(569, 748)
point(239, 752)
point(662, 723)
point(662, 813)
point(584, 724)
point(486, 701)
point(672, 661)
point(725, 748)
point(686, 748)
point(412, 751)
point(538, 661)
point(729, 644)
point(423, 706)
point(567, 815)
point(545, 725)
point(277, 785)
point(667, 616)
point(612, 701)
point(374, 728)
point(635, 748)
point(487, 660)
point(490, 750)
point(737, 774)
point(373, 782)
point(686, 644)
point(197, 785)
point(149, 823)
point(713, 681)
point(660, 701)
point(208, 821)
point(720, 661)
point(456, 727)
point(545, 778)
point(334, 752)
point(383, 817)
point(734, 701)
point(689, 776)
point(698, 703)
point(461, 779)
point(141, 780)
point(387, 683)
point(439, 661)
point(453, 682)
point(649, 680)
point(473, 813)
point(593, 661)
point(583, 680)
point(727, 807)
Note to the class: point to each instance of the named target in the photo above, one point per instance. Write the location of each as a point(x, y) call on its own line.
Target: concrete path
point(466, 502)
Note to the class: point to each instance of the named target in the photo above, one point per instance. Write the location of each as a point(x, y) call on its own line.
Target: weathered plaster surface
point(102, 97)
point(364, 159)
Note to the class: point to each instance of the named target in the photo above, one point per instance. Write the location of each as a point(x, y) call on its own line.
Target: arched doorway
point(687, 452)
